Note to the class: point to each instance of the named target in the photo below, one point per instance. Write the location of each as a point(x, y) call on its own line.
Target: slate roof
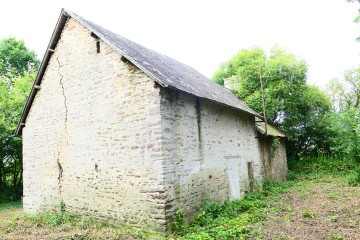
point(164, 70)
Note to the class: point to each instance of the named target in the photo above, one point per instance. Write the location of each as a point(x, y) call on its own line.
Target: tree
point(345, 95)
point(291, 104)
point(17, 71)
point(15, 58)
point(345, 91)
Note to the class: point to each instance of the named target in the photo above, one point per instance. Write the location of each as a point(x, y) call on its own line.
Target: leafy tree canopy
point(16, 58)
point(291, 104)
point(18, 66)
point(345, 91)
point(345, 121)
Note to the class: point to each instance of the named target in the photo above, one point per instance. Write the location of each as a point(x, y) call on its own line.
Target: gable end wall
point(92, 136)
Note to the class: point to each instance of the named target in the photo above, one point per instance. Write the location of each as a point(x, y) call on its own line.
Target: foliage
point(237, 219)
point(307, 214)
point(291, 105)
point(346, 127)
point(275, 144)
point(17, 71)
point(232, 219)
point(345, 120)
point(345, 91)
point(323, 164)
point(16, 58)
point(178, 223)
point(353, 178)
point(10, 206)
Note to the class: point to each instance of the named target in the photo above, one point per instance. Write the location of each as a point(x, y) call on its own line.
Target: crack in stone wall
point(60, 168)
point(64, 95)
point(60, 175)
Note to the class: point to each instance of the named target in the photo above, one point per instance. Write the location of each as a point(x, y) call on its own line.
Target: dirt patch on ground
point(326, 209)
point(10, 213)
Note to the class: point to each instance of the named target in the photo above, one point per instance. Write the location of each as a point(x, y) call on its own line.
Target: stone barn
point(117, 131)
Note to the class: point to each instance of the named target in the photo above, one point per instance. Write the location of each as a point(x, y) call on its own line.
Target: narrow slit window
point(97, 46)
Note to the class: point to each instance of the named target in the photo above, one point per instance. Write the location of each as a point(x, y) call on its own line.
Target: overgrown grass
point(323, 164)
point(232, 219)
point(326, 165)
point(237, 219)
point(64, 225)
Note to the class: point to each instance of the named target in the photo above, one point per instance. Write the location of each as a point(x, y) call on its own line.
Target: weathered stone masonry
point(207, 148)
point(92, 137)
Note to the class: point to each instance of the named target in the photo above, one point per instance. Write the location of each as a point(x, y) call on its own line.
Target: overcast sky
point(203, 34)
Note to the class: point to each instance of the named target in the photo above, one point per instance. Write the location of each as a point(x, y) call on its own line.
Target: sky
point(205, 33)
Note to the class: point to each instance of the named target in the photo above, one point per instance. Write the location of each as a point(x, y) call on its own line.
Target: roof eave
point(217, 102)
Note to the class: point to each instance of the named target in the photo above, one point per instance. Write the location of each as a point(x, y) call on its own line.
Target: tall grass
point(323, 164)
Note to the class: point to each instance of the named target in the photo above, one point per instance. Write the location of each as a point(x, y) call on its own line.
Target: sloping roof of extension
point(164, 70)
point(271, 130)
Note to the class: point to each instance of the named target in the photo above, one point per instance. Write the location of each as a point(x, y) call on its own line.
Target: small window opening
point(97, 46)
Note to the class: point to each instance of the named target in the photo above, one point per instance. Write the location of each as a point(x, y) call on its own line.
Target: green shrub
point(353, 178)
point(178, 223)
point(322, 164)
point(9, 206)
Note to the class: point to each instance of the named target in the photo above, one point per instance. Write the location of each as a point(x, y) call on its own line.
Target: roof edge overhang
point(216, 102)
point(49, 51)
point(64, 15)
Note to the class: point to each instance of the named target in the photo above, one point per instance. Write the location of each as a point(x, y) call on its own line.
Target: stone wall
point(93, 136)
point(274, 158)
point(208, 151)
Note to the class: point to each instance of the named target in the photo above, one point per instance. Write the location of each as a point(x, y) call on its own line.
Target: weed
point(333, 219)
point(274, 146)
point(289, 217)
point(178, 223)
point(332, 195)
point(231, 219)
point(333, 236)
point(291, 176)
point(308, 214)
